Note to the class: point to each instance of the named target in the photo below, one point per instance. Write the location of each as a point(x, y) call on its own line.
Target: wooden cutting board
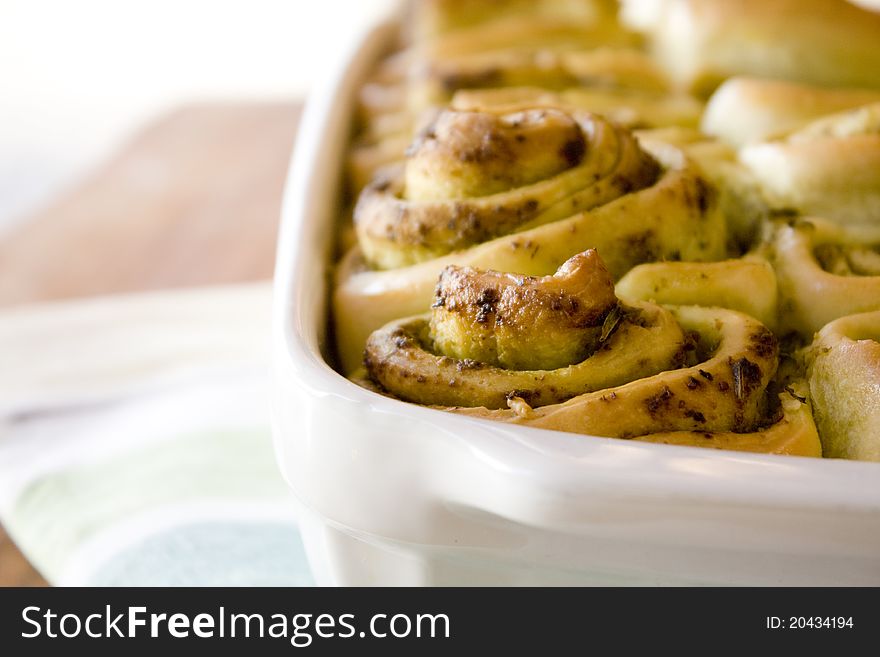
point(194, 199)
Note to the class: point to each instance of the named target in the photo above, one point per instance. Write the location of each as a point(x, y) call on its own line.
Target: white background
point(78, 77)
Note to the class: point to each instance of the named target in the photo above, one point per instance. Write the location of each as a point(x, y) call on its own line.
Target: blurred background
point(80, 78)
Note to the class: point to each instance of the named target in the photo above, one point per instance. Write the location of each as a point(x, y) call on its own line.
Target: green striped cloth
point(135, 445)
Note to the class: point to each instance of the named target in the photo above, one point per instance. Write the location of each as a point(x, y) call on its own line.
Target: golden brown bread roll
point(829, 168)
point(551, 45)
point(492, 336)
point(522, 169)
point(428, 19)
point(745, 110)
point(386, 138)
point(844, 375)
point(631, 205)
point(579, 361)
point(703, 42)
point(523, 321)
point(473, 176)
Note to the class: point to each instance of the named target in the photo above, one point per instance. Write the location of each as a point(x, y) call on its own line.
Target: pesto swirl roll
point(844, 378)
point(471, 176)
point(829, 168)
point(574, 48)
point(492, 336)
point(517, 192)
point(562, 352)
point(723, 390)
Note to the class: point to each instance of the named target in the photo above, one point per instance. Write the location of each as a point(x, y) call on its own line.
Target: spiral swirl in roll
point(474, 176)
point(561, 352)
point(492, 336)
point(574, 48)
point(385, 134)
point(724, 391)
point(517, 192)
point(505, 145)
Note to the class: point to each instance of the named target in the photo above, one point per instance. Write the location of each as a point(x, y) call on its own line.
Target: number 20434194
point(809, 622)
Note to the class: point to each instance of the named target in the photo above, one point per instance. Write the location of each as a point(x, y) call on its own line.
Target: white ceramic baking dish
point(396, 494)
